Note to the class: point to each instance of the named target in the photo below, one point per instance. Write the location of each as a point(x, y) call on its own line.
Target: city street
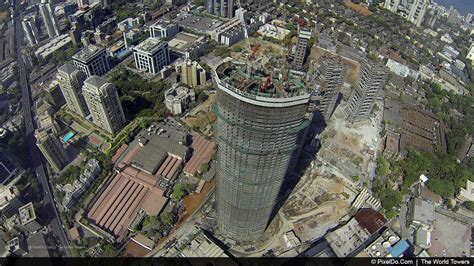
point(50, 211)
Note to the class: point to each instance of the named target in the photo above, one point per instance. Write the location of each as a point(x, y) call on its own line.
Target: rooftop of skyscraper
point(270, 80)
point(87, 53)
point(149, 46)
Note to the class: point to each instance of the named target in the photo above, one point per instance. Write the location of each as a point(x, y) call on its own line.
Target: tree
point(382, 167)
point(204, 168)
point(468, 205)
point(109, 250)
point(167, 218)
point(392, 199)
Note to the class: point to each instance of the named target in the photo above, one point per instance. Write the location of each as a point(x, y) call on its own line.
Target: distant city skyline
point(463, 6)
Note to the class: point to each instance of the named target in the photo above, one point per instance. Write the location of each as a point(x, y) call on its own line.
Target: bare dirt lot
point(194, 201)
point(201, 117)
point(361, 9)
point(353, 68)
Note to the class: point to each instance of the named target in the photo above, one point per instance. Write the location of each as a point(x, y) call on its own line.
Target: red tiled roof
point(370, 219)
point(131, 154)
point(130, 191)
point(169, 167)
point(119, 153)
point(203, 152)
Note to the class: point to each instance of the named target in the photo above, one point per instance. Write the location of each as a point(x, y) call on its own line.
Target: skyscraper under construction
point(332, 73)
point(371, 80)
point(259, 119)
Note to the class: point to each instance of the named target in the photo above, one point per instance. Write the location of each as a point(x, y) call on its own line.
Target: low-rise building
point(203, 246)
point(467, 194)
point(151, 55)
point(470, 54)
point(163, 30)
point(421, 212)
point(353, 237)
point(55, 44)
point(178, 98)
point(128, 24)
point(196, 23)
point(417, 127)
point(188, 45)
point(229, 33)
point(75, 190)
point(401, 69)
point(381, 247)
point(8, 74)
point(291, 240)
point(423, 238)
point(273, 31)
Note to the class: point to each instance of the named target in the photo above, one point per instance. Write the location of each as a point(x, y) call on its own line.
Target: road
point(50, 210)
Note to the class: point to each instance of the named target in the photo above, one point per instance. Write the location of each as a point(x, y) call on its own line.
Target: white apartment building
point(151, 55)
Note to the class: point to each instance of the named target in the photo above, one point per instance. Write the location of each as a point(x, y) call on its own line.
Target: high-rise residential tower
point(392, 5)
point(299, 58)
point(371, 80)
point(70, 81)
point(227, 8)
point(332, 73)
point(50, 20)
point(51, 148)
point(417, 11)
point(259, 121)
point(92, 60)
point(104, 104)
point(191, 73)
point(31, 30)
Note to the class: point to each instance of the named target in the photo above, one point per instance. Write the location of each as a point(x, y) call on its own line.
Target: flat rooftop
point(269, 80)
point(149, 46)
point(152, 145)
point(196, 22)
point(7, 168)
point(53, 45)
point(87, 53)
point(27, 213)
point(182, 40)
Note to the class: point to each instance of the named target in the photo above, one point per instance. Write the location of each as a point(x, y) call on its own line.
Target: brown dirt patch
point(194, 201)
point(134, 250)
point(363, 10)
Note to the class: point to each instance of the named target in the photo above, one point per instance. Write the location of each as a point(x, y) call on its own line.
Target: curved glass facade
point(256, 143)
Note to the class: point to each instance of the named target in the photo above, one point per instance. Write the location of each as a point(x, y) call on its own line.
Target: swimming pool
point(68, 136)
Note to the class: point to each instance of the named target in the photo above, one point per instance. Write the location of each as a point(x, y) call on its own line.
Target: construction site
point(201, 118)
point(351, 148)
point(317, 204)
point(266, 78)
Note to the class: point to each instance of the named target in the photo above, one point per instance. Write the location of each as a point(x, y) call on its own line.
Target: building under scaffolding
point(261, 123)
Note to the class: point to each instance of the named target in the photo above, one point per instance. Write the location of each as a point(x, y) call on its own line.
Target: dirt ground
point(363, 10)
point(202, 116)
point(315, 192)
point(266, 48)
point(194, 201)
point(134, 250)
point(353, 68)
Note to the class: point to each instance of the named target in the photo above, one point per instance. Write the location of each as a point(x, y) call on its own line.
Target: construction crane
point(254, 51)
point(266, 83)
